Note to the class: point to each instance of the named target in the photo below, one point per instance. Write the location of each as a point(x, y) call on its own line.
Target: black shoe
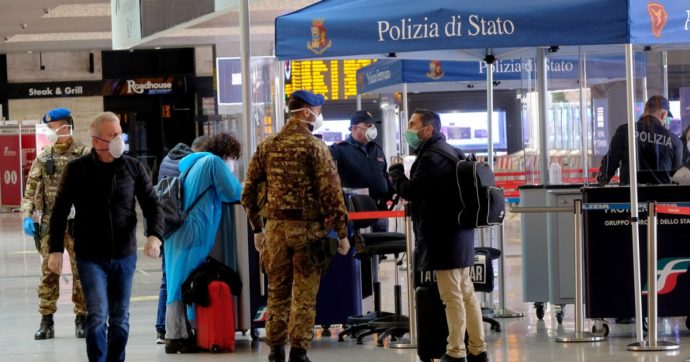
point(447, 358)
point(482, 357)
point(298, 355)
point(180, 346)
point(160, 337)
point(46, 330)
point(80, 326)
point(277, 354)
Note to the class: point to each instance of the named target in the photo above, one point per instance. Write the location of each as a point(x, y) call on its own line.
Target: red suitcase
point(216, 323)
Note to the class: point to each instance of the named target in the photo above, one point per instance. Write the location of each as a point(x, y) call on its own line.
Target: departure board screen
point(335, 79)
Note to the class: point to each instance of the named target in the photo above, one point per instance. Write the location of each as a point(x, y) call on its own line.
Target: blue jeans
point(162, 298)
point(107, 289)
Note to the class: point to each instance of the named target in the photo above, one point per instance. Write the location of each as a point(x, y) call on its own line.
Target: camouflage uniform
point(304, 201)
point(39, 195)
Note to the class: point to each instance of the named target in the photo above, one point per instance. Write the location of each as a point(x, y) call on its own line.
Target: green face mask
point(412, 138)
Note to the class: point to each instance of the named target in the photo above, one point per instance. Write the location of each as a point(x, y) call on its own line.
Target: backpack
point(171, 198)
point(482, 203)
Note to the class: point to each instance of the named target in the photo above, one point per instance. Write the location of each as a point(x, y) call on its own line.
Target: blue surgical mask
point(412, 138)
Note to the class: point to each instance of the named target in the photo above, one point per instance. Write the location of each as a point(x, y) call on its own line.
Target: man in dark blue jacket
point(362, 164)
point(169, 168)
point(441, 244)
point(660, 152)
point(102, 186)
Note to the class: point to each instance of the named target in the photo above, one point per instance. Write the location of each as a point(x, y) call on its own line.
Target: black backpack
point(482, 203)
point(171, 198)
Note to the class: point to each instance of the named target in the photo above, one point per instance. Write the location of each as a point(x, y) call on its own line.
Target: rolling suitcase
point(432, 328)
point(216, 323)
point(340, 291)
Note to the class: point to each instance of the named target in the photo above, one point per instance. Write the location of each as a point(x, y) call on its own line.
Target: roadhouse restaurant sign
point(145, 86)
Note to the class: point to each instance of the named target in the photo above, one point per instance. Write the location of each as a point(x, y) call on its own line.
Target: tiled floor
point(522, 339)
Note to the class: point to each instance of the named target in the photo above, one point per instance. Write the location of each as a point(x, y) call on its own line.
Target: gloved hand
point(29, 228)
point(152, 249)
point(343, 246)
point(396, 170)
point(259, 241)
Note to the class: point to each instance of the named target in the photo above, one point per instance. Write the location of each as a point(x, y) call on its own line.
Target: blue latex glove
point(29, 228)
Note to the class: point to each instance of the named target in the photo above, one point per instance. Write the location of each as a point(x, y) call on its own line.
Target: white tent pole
point(542, 94)
point(584, 134)
point(490, 113)
point(245, 59)
point(632, 157)
point(664, 75)
point(403, 123)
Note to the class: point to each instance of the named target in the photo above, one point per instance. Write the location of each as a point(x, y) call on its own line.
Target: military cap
point(56, 114)
point(314, 100)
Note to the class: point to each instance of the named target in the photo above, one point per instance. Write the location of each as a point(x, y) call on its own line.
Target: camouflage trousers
point(49, 286)
point(293, 281)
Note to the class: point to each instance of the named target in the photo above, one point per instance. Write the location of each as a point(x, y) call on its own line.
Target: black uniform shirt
point(363, 166)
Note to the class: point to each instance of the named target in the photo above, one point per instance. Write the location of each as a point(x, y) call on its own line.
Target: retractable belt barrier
point(364, 215)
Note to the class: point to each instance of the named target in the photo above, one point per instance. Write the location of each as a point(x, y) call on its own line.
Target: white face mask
point(53, 136)
point(371, 133)
point(314, 125)
point(116, 146)
point(231, 164)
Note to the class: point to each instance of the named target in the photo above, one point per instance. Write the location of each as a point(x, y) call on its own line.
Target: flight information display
point(335, 79)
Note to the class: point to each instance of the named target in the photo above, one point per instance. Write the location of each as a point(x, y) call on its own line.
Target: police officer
point(660, 152)
point(304, 202)
point(361, 162)
point(39, 195)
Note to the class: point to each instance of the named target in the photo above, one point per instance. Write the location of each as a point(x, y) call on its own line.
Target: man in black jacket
point(660, 152)
point(102, 187)
point(441, 244)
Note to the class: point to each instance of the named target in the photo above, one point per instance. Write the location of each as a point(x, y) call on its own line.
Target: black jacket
point(363, 166)
point(169, 164)
point(103, 196)
point(660, 154)
point(434, 198)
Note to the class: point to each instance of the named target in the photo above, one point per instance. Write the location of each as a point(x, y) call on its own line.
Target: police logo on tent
point(319, 39)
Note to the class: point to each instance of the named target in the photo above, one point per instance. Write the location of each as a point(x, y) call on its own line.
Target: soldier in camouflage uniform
point(304, 202)
point(39, 195)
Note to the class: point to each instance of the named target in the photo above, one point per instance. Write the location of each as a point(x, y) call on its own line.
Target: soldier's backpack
point(481, 203)
point(171, 198)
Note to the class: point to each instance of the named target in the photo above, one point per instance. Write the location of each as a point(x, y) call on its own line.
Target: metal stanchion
point(580, 335)
point(412, 312)
point(502, 312)
point(652, 343)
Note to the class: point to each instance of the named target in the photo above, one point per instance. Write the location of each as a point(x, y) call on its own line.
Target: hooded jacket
point(169, 164)
point(187, 247)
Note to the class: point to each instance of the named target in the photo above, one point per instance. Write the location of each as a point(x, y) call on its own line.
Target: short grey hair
point(199, 143)
point(95, 127)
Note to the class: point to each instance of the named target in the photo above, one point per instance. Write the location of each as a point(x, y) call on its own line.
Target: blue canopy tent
point(455, 30)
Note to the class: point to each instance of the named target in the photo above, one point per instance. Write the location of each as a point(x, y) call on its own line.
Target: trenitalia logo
point(658, 17)
point(668, 271)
